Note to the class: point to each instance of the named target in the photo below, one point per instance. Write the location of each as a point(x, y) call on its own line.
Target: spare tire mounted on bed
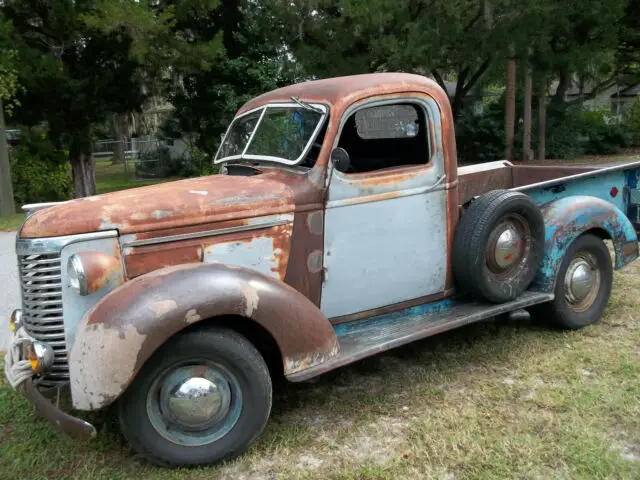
point(498, 246)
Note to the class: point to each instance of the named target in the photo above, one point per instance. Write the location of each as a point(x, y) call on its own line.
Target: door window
point(386, 137)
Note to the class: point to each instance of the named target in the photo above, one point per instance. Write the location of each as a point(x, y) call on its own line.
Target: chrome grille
point(41, 282)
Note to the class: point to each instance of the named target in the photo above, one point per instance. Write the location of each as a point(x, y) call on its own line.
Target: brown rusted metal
point(99, 268)
point(392, 308)
point(180, 204)
point(72, 426)
point(473, 184)
point(530, 174)
point(308, 241)
point(142, 260)
point(131, 322)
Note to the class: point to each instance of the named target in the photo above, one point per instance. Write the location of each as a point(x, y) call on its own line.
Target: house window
point(386, 136)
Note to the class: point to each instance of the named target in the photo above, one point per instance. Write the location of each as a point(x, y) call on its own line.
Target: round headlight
point(77, 276)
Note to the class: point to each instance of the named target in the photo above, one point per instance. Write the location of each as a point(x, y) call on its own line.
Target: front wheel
point(583, 284)
point(204, 396)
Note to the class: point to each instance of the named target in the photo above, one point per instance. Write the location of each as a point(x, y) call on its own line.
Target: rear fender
point(568, 218)
point(121, 332)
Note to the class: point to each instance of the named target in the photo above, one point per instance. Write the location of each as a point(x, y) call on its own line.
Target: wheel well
point(252, 331)
point(599, 232)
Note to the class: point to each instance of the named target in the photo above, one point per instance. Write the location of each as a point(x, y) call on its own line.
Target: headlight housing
point(77, 276)
point(89, 272)
point(15, 321)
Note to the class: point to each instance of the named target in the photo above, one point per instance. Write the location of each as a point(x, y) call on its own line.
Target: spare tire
point(498, 246)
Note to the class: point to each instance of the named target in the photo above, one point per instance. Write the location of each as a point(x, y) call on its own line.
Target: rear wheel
point(498, 246)
point(203, 397)
point(583, 285)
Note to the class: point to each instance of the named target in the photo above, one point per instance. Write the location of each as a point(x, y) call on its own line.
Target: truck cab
point(338, 227)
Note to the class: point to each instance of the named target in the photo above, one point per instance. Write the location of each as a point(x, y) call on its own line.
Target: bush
point(480, 137)
point(39, 171)
point(600, 136)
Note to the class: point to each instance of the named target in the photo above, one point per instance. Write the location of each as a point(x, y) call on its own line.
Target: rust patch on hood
point(216, 198)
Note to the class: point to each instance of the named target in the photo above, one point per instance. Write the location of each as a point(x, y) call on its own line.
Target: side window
point(386, 136)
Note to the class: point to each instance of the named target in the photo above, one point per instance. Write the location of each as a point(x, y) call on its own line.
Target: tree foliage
point(255, 61)
point(83, 60)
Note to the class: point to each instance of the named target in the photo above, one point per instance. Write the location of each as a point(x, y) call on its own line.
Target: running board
point(363, 338)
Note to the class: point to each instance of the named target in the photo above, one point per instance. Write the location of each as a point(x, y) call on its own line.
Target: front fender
point(122, 331)
point(568, 218)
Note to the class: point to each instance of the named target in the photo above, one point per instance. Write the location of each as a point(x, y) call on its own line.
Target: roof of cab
point(346, 90)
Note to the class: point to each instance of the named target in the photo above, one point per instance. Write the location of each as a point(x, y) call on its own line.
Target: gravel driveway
point(9, 288)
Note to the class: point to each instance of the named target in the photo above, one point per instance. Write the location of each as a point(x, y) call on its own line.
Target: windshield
point(280, 133)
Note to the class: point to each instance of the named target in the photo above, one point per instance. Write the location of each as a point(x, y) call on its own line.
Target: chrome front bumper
point(72, 426)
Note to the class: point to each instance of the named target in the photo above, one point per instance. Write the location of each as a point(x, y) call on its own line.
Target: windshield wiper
point(307, 106)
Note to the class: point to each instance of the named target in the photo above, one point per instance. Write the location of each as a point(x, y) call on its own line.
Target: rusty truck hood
point(175, 204)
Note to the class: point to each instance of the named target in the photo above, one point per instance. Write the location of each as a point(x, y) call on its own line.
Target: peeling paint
point(162, 307)
point(157, 214)
point(192, 316)
point(96, 346)
point(251, 299)
point(569, 217)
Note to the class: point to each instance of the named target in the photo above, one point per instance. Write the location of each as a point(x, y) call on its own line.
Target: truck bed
point(474, 180)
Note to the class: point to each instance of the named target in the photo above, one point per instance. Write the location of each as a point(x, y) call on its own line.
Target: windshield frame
point(268, 158)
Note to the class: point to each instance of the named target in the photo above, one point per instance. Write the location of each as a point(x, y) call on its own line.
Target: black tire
point(230, 353)
point(476, 266)
point(566, 314)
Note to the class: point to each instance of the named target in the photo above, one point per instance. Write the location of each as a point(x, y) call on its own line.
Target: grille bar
point(41, 280)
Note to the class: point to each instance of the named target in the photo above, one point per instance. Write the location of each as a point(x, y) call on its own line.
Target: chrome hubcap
point(194, 404)
point(582, 281)
point(195, 401)
point(507, 247)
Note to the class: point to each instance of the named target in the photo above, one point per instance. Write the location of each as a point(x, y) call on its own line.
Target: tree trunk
point(82, 166)
point(7, 207)
point(526, 136)
point(510, 106)
point(542, 118)
point(119, 137)
point(563, 85)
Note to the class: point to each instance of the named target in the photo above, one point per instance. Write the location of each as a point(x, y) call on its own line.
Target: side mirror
point(340, 159)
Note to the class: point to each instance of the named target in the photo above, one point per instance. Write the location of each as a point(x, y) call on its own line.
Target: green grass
point(11, 222)
point(111, 178)
point(492, 400)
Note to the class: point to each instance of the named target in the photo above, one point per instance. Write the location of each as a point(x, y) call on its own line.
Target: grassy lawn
point(11, 222)
point(493, 400)
point(111, 178)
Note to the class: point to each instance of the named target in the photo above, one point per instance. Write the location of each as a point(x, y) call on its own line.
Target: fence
point(145, 157)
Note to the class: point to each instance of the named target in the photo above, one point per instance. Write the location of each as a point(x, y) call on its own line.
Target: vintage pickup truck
point(340, 226)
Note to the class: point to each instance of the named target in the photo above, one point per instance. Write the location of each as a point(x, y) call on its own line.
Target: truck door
point(385, 218)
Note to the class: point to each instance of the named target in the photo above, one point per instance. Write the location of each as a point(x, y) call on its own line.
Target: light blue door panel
point(384, 252)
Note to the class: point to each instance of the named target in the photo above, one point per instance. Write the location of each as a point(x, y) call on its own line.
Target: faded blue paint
point(598, 186)
point(631, 180)
point(568, 218)
point(385, 238)
point(411, 314)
